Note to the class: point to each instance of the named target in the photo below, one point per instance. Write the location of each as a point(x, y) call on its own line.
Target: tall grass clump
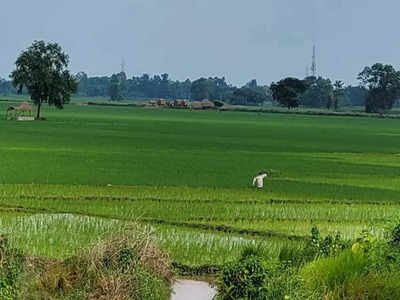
point(128, 266)
point(368, 270)
point(325, 274)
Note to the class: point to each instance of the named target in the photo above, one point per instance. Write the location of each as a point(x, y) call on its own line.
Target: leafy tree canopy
point(42, 70)
point(288, 91)
point(319, 93)
point(247, 95)
point(383, 84)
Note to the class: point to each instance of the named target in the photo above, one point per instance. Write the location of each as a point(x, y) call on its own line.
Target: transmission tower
point(122, 66)
point(314, 63)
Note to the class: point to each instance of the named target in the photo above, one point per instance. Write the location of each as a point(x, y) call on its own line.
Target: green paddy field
point(89, 171)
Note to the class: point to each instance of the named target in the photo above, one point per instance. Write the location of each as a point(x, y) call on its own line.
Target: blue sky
point(241, 40)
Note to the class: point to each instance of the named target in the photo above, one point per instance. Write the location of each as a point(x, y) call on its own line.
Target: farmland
point(88, 172)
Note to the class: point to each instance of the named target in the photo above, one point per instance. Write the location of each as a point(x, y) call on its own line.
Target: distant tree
point(252, 84)
point(114, 88)
point(42, 70)
point(117, 87)
point(122, 84)
point(383, 84)
point(6, 87)
point(82, 80)
point(248, 96)
point(319, 93)
point(356, 95)
point(288, 91)
point(186, 89)
point(203, 89)
point(338, 93)
point(165, 86)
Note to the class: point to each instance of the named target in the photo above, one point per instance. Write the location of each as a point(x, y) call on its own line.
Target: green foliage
point(117, 87)
point(324, 247)
point(11, 267)
point(395, 236)
point(244, 278)
point(41, 69)
point(342, 183)
point(379, 286)
point(364, 243)
point(356, 95)
point(126, 266)
point(383, 83)
point(248, 96)
point(319, 93)
point(288, 91)
point(326, 273)
point(315, 247)
point(210, 88)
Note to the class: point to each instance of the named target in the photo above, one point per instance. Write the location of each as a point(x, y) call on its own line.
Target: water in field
point(192, 290)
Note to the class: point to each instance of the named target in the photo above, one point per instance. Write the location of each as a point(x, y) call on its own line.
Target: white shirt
point(259, 180)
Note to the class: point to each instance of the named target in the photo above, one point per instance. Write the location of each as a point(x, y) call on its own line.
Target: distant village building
point(196, 105)
point(203, 104)
point(207, 104)
point(181, 104)
point(21, 112)
point(162, 102)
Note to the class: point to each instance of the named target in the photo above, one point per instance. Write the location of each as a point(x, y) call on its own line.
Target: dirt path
point(192, 290)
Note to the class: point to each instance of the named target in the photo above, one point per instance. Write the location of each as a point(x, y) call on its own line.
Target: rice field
point(88, 172)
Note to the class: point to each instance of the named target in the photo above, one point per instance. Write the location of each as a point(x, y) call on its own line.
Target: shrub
point(11, 267)
point(128, 266)
point(315, 247)
point(244, 278)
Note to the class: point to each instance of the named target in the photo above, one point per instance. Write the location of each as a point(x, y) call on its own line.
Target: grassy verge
point(126, 266)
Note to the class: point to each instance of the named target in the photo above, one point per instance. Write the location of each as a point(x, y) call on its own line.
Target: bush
point(11, 267)
point(315, 247)
point(128, 266)
point(244, 278)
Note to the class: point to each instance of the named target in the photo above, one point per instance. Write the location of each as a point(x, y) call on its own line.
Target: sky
point(241, 40)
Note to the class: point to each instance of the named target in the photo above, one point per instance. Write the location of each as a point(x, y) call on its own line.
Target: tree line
point(41, 71)
point(379, 90)
point(118, 87)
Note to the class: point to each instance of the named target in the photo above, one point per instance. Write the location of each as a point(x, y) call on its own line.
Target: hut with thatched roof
point(207, 104)
point(196, 105)
point(23, 112)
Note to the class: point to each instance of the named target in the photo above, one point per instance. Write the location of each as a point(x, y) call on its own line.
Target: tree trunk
point(38, 110)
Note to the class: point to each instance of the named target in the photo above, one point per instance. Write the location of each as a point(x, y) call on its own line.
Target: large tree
point(319, 93)
point(203, 89)
point(288, 91)
point(42, 70)
point(339, 96)
point(118, 86)
point(383, 84)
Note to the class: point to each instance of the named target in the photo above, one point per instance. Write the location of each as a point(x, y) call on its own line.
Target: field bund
point(89, 171)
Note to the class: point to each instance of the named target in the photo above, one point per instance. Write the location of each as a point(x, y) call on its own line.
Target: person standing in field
point(259, 179)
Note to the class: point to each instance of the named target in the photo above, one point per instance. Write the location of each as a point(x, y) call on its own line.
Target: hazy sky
point(238, 39)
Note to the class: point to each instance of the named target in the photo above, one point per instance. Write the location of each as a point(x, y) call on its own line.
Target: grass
point(173, 148)
point(88, 171)
point(56, 221)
